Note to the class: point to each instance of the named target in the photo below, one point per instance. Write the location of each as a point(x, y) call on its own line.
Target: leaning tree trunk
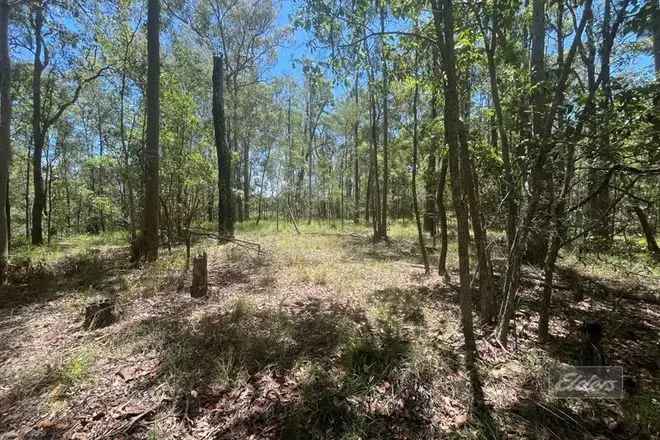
point(651, 243)
point(5, 132)
point(151, 153)
point(225, 199)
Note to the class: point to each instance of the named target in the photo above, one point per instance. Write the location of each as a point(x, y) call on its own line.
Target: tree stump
point(199, 276)
point(99, 313)
point(591, 348)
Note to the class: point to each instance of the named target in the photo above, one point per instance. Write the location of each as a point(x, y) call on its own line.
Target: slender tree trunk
point(367, 202)
point(49, 188)
point(486, 283)
point(651, 243)
point(511, 192)
point(599, 206)
point(557, 235)
point(246, 180)
point(382, 230)
point(27, 193)
point(38, 134)
point(152, 149)
point(5, 138)
point(444, 27)
point(263, 181)
point(442, 218)
point(420, 232)
point(430, 214)
point(225, 200)
point(512, 281)
point(356, 159)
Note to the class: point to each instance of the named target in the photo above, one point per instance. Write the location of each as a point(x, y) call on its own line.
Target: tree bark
point(225, 199)
point(152, 148)
point(538, 244)
point(5, 138)
point(38, 134)
point(199, 287)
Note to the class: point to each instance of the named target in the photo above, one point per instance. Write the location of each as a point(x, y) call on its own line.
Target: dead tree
point(199, 286)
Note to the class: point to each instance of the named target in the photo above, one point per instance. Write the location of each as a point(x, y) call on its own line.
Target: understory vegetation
point(322, 335)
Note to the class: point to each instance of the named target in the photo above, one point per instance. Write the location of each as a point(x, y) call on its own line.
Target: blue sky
point(294, 49)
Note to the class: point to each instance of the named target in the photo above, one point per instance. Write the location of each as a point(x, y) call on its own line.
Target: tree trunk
point(451, 112)
point(486, 284)
point(420, 232)
point(557, 235)
point(38, 134)
point(512, 280)
point(442, 218)
point(538, 244)
point(511, 192)
point(151, 153)
point(356, 159)
point(263, 182)
point(382, 230)
point(27, 194)
point(5, 138)
point(225, 200)
point(246, 180)
point(430, 214)
point(599, 210)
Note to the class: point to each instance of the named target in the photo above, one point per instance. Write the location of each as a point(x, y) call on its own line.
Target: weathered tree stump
point(591, 350)
point(99, 313)
point(199, 276)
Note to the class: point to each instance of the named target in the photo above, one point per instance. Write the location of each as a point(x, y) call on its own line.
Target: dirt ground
point(320, 335)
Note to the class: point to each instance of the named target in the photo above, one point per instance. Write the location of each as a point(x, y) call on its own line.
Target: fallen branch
point(251, 245)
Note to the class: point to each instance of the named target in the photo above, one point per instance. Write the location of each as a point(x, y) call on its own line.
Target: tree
point(444, 28)
point(420, 231)
point(151, 208)
point(5, 137)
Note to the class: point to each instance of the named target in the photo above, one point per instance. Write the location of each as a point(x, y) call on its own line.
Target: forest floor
point(323, 335)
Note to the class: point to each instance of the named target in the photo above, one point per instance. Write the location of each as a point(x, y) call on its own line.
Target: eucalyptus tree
point(5, 138)
point(151, 208)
